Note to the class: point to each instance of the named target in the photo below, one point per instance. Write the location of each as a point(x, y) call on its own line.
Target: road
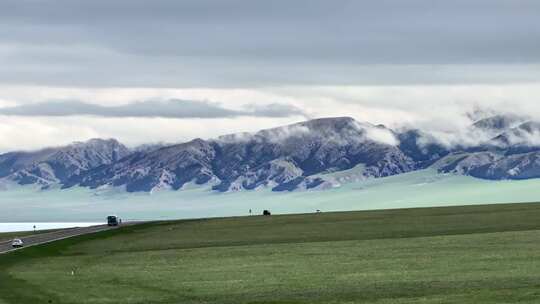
point(47, 237)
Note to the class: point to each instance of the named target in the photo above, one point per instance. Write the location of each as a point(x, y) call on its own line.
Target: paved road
point(47, 237)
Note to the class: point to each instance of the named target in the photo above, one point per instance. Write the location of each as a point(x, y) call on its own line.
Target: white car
point(17, 243)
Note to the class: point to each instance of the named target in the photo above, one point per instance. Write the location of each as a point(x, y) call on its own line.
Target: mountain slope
point(57, 165)
point(168, 167)
point(300, 156)
point(286, 157)
point(282, 158)
point(499, 123)
point(492, 165)
point(512, 154)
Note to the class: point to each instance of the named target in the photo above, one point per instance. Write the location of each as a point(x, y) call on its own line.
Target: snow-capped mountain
point(304, 155)
point(513, 153)
point(57, 165)
point(499, 123)
point(493, 165)
point(283, 158)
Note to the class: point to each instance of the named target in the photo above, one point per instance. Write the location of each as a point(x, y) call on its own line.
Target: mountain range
point(301, 156)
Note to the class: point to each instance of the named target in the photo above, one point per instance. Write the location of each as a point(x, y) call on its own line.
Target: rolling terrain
point(469, 254)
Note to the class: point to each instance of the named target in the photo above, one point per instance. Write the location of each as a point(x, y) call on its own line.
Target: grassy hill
point(471, 254)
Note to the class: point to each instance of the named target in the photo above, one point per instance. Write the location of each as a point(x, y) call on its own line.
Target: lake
point(423, 188)
point(15, 227)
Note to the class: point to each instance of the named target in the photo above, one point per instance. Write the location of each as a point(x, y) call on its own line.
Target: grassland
point(473, 254)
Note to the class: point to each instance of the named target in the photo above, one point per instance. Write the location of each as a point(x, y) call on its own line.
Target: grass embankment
point(473, 254)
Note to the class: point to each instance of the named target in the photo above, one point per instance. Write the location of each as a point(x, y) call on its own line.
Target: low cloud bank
point(488, 127)
point(173, 108)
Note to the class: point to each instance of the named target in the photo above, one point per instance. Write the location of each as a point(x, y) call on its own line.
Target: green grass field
point(473, 254)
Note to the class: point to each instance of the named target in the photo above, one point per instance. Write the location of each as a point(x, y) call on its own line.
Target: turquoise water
point(416, 189)
point(17, 227)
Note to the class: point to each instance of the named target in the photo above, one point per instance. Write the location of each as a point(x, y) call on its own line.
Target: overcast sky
point(149, 71)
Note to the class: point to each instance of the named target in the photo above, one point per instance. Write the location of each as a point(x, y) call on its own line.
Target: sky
point(169, 71)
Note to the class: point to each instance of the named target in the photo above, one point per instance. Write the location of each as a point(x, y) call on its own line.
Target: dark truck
point(113, 220)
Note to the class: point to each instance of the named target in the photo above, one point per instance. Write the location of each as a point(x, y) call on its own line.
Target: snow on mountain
point(164, 168)
point(282, 158)
point(520, 138)
point(491, 165)
point(315, 154)
point(57, 165)
point(421, 147)
point(499, 123)
point(511, 154)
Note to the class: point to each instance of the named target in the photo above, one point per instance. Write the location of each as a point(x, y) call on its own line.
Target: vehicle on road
point(112, 220)
point(17, 243)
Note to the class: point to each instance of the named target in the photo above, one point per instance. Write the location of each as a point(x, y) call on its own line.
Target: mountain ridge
point(286, 158)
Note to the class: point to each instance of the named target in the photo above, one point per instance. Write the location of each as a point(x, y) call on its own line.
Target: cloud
point(31, 133)
point(244, 43)
point(382, 135)
point(275, 110)
point(443, 111)
point(174, 108)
